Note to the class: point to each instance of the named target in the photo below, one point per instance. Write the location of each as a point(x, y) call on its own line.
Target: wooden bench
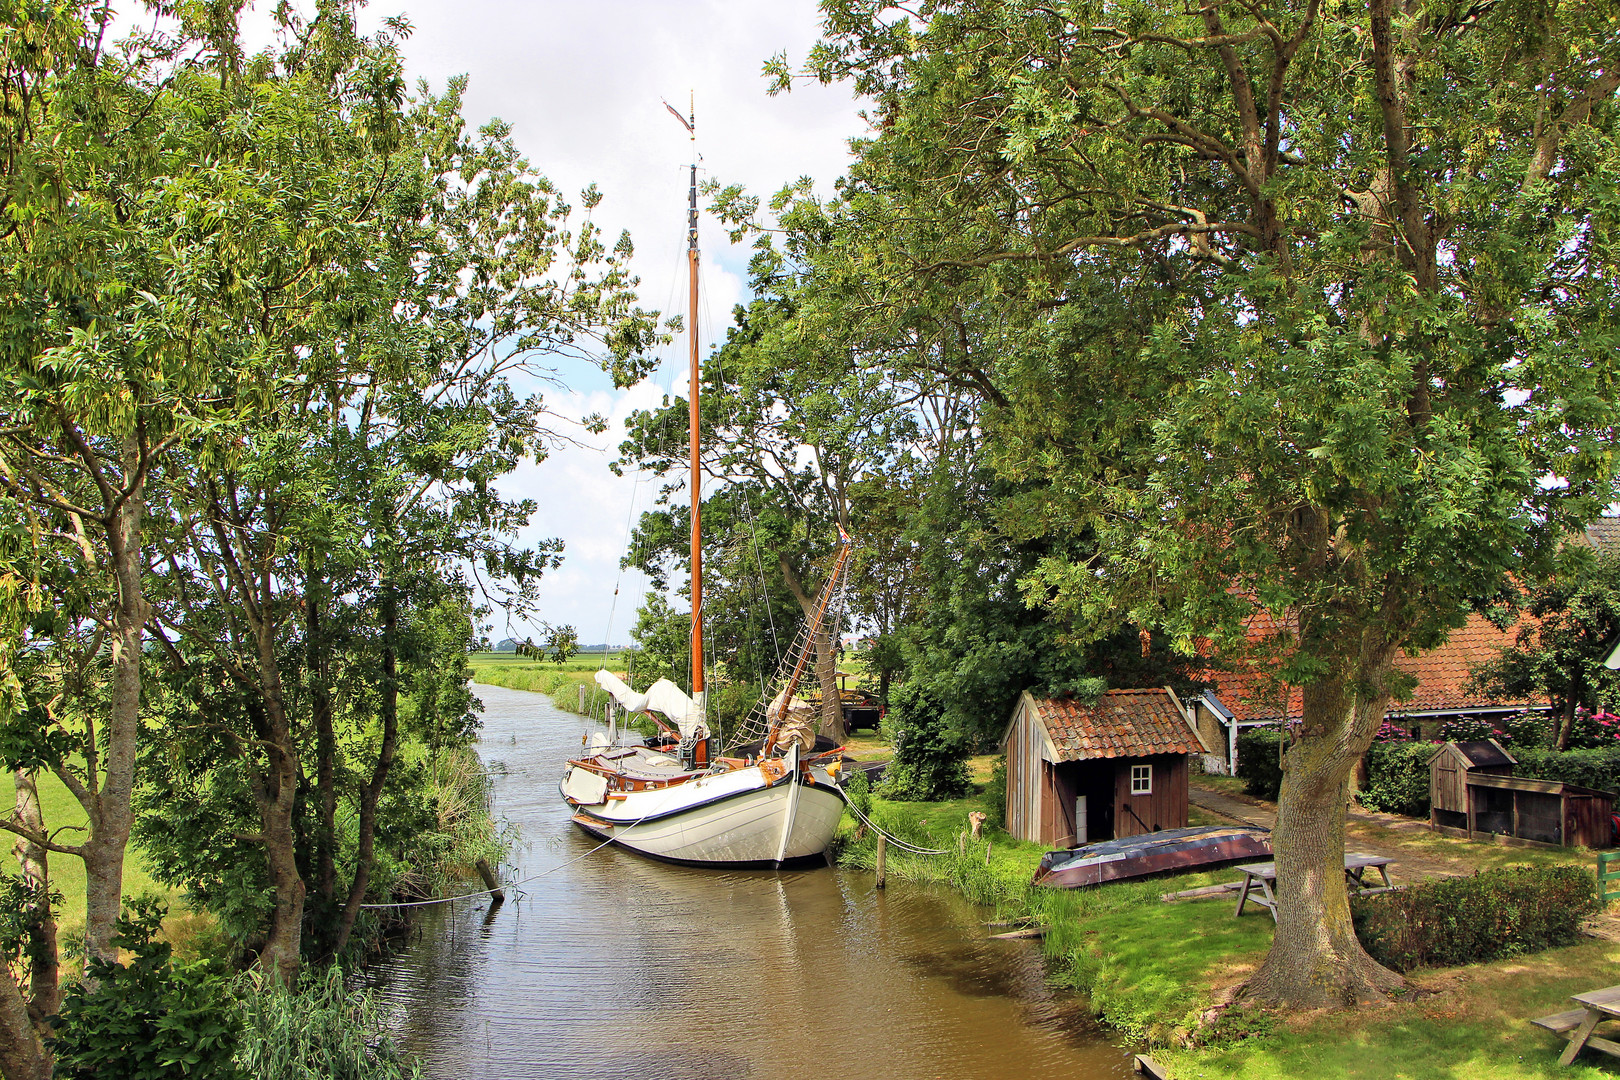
point(1264, 874)
point(1577, 1025)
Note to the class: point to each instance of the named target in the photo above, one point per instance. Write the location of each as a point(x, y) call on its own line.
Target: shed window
point(1141, 779)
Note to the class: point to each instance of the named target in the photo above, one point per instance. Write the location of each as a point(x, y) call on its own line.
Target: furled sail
point(662, 696)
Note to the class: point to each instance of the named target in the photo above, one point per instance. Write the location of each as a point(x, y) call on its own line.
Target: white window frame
point(1141, 779)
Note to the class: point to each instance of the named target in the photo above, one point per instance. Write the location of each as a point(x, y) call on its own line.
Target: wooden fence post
point(1605, 875)
point(883, 851)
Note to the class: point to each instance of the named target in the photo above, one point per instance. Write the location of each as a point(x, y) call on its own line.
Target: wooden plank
point(1199, 894)
point(1150, 1068)
point(1559, 1023)
point(1603, 1000)
point(1019, 935)
point(1596, 1042)
point(1581, 1034)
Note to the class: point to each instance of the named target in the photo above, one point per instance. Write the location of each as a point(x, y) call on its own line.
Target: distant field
point(579, 662)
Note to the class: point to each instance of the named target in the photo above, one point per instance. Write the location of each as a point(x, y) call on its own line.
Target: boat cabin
point(1080, 772)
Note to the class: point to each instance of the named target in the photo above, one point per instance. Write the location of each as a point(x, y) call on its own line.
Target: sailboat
point(773, 801)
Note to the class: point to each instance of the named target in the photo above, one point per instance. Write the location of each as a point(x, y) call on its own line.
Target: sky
point(582, 83)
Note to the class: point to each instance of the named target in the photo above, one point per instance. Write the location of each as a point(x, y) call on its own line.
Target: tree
point(99, 380)
point(790, 431)
point(1306, 310)
point(342, 510)
point(1574, 617)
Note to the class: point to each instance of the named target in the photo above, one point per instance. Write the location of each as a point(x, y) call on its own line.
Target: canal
point(613, 966)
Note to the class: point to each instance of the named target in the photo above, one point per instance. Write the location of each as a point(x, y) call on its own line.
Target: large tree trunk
point(281, 956)
point(832, 706)
point(22, 1053)
point(44, 983)
point(1316, 960)
point(372, 792)
point(277, 802)
point(111, 816)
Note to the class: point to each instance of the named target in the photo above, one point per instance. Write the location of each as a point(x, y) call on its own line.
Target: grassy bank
point(1155, 970)
point(560, 682)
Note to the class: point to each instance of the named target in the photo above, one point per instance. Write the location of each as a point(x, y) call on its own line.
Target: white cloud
point(582, 86)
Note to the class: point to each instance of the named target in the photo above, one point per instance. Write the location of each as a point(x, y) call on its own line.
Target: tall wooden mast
point(699, 697)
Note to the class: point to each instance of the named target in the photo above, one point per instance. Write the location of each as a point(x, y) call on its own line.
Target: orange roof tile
point(1120, 723)
point(1442, 674)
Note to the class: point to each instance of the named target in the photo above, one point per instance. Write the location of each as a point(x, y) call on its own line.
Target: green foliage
point(1526, 729)
point(995, 795)
point(1597, 768)
point(323, 1031)
point(1574, 617)
point(1398, 777)
point(148, 1018)
point(1493, 914)
point(930, 761)
point(663, 638)
point(1258, 764)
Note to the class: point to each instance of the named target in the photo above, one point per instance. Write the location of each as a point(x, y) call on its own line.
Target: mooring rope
point(903, 845)
point(507, 884)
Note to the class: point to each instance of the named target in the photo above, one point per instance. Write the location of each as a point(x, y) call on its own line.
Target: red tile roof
point(1120, 723)
point(1604, 533)
point(1442, 674)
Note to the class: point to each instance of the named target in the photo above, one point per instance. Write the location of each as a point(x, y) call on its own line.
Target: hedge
point(1468, 920)
point(1398, 777)
point(1257, 764)
point(1598, 769)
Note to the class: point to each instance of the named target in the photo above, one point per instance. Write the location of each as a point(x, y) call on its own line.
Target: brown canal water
point(613, 966)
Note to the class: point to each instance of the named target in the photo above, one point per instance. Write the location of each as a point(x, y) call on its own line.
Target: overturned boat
point(1152, 853)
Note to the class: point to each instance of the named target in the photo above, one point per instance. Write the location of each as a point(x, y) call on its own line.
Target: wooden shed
point(1472, 792)
point(1449, 770)
point(1117, 767)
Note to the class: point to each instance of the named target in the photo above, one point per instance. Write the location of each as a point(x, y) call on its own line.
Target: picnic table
point(1577, 1025)
point(1259, 877)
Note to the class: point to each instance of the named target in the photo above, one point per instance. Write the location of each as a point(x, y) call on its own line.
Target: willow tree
point(1304, 309)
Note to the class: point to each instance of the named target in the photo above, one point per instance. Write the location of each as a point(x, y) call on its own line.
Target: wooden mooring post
point(582, 699)
point(490, 881)
point(882, 857)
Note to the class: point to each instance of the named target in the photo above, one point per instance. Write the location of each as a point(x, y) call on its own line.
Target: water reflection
point(613, 966)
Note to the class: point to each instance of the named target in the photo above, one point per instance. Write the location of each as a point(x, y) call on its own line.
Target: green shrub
point(149, 1018)
point(1598, 768)
point(1258, 766)
point(1398, 778)
point(1494, 914)
point(995, 795)
point(930, 761)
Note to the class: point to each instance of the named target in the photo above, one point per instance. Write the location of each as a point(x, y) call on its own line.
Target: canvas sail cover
point(794, 720)
point(662, 696)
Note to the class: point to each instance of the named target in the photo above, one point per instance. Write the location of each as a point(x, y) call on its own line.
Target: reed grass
point(323, 1031)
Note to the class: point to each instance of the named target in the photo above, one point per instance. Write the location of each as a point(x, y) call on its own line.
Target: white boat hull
point(741, 818)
